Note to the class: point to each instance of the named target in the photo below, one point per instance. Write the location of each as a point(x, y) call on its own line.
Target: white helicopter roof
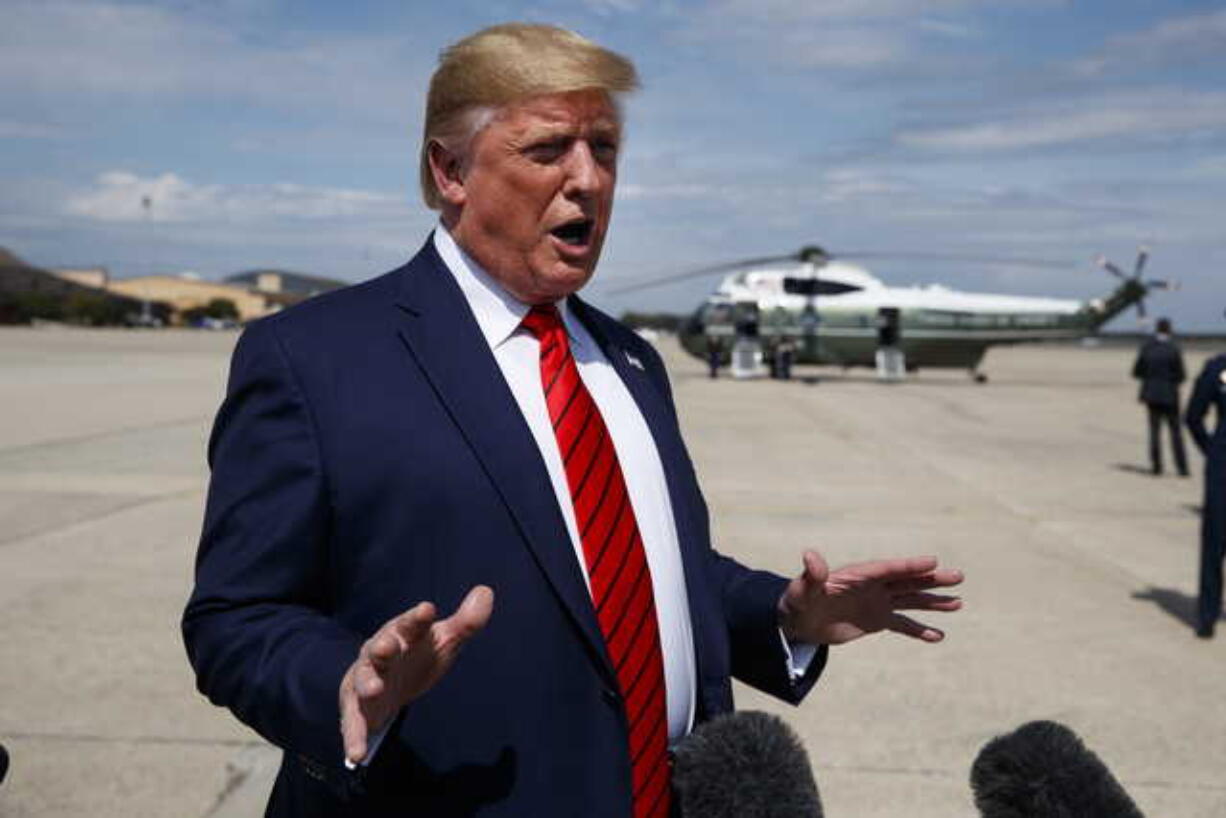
point(864, 290)
point(769, 280)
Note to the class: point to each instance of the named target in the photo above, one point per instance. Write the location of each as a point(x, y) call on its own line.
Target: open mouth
point(574, 233)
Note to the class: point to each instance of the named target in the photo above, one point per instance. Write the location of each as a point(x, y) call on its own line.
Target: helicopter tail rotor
point(1135, 288)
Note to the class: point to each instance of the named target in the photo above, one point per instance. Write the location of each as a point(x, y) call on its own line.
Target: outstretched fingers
point(898, 569)
point(353, 726)
point(391, 642)
point(474, 612)
point(907, 626)
point(926, 602)
point(407, 629)
point(816, 570)
point(940, 578)
point(448, 635)
point(402, 660)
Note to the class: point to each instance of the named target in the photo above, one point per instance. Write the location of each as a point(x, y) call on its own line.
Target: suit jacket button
point(611, 697)
point(312, 768)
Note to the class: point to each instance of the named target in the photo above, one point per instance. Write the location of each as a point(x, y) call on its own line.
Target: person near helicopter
point(1159, 368)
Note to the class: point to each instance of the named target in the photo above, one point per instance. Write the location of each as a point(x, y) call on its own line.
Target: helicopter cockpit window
point(720, 314)
point(817, 286)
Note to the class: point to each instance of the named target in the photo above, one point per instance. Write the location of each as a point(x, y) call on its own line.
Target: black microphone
point(1042, 770)
point(744, 765)
point(4, 763)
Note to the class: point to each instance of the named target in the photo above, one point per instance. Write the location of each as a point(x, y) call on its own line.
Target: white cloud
point(850, 184)
point(604, 8)
point(945, 28)
point(847, 35)
point(848, 47)
point(631, 191)
point(101, 51)
point(119, 196)
point(1177, 41)
point(1134, 114)
point(790, 11)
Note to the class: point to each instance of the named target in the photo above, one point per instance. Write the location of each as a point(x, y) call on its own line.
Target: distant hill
point(19, 276)
point(28, 292)
point(9, 259)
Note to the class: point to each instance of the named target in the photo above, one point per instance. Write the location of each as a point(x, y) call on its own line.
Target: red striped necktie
point(616, 562)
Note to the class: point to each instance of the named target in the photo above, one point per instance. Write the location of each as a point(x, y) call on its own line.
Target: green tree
point(222, 309)
point(31, 305)
point(93, 309)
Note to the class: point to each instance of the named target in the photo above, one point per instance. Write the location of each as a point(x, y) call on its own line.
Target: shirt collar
point(498, 313)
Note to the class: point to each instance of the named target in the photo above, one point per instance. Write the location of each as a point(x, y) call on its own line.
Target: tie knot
point(541, 320)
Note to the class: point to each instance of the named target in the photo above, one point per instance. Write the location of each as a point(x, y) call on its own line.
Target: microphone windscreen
point(1042, 770)
point(744, 765)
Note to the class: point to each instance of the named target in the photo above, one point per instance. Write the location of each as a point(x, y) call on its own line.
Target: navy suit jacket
point(369, 455)
point(1209, 391)
point(1159, 367)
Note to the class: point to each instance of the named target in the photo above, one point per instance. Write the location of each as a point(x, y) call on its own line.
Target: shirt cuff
point(799, 656)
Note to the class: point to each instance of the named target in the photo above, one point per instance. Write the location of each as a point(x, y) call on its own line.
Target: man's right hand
point(402, 661)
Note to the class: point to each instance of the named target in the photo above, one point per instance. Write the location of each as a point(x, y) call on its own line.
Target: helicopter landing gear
point(979, 377)
point(891, 364)
point(781, 361)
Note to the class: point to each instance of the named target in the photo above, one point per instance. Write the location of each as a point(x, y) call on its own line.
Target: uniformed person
point(1210, 390)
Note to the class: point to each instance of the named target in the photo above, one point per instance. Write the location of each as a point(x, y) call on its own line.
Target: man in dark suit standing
point(1209, 391)
point(466, 428)
point(1159, 367)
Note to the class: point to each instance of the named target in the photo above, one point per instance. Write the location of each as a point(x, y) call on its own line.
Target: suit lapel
point(633, 374)
point(442, 335)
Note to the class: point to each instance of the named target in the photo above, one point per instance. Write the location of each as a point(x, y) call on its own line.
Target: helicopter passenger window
point(817, 286)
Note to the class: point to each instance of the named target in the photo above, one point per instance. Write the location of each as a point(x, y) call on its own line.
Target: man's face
point(536, 193)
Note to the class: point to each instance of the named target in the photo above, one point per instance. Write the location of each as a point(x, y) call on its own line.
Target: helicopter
point(812, 307)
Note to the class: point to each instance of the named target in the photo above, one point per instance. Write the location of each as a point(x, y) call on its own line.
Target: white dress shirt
point(517, 352)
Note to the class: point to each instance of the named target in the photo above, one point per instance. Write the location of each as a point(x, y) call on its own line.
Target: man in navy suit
point(1159, 367)
point(394, 449)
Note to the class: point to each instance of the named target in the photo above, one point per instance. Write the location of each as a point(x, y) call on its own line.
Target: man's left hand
point(832, 607)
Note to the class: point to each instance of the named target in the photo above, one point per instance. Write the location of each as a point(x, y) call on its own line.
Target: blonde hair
point(504, 64)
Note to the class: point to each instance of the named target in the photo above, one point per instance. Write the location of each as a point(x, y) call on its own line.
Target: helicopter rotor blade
point(1110, 267)
point(873, 255)
point(1142, 256)
point(697, 272)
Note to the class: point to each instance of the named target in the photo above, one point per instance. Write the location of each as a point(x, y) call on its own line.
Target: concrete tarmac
point(1081, 573)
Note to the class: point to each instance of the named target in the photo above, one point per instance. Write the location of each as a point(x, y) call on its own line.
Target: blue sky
point(285, 134)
